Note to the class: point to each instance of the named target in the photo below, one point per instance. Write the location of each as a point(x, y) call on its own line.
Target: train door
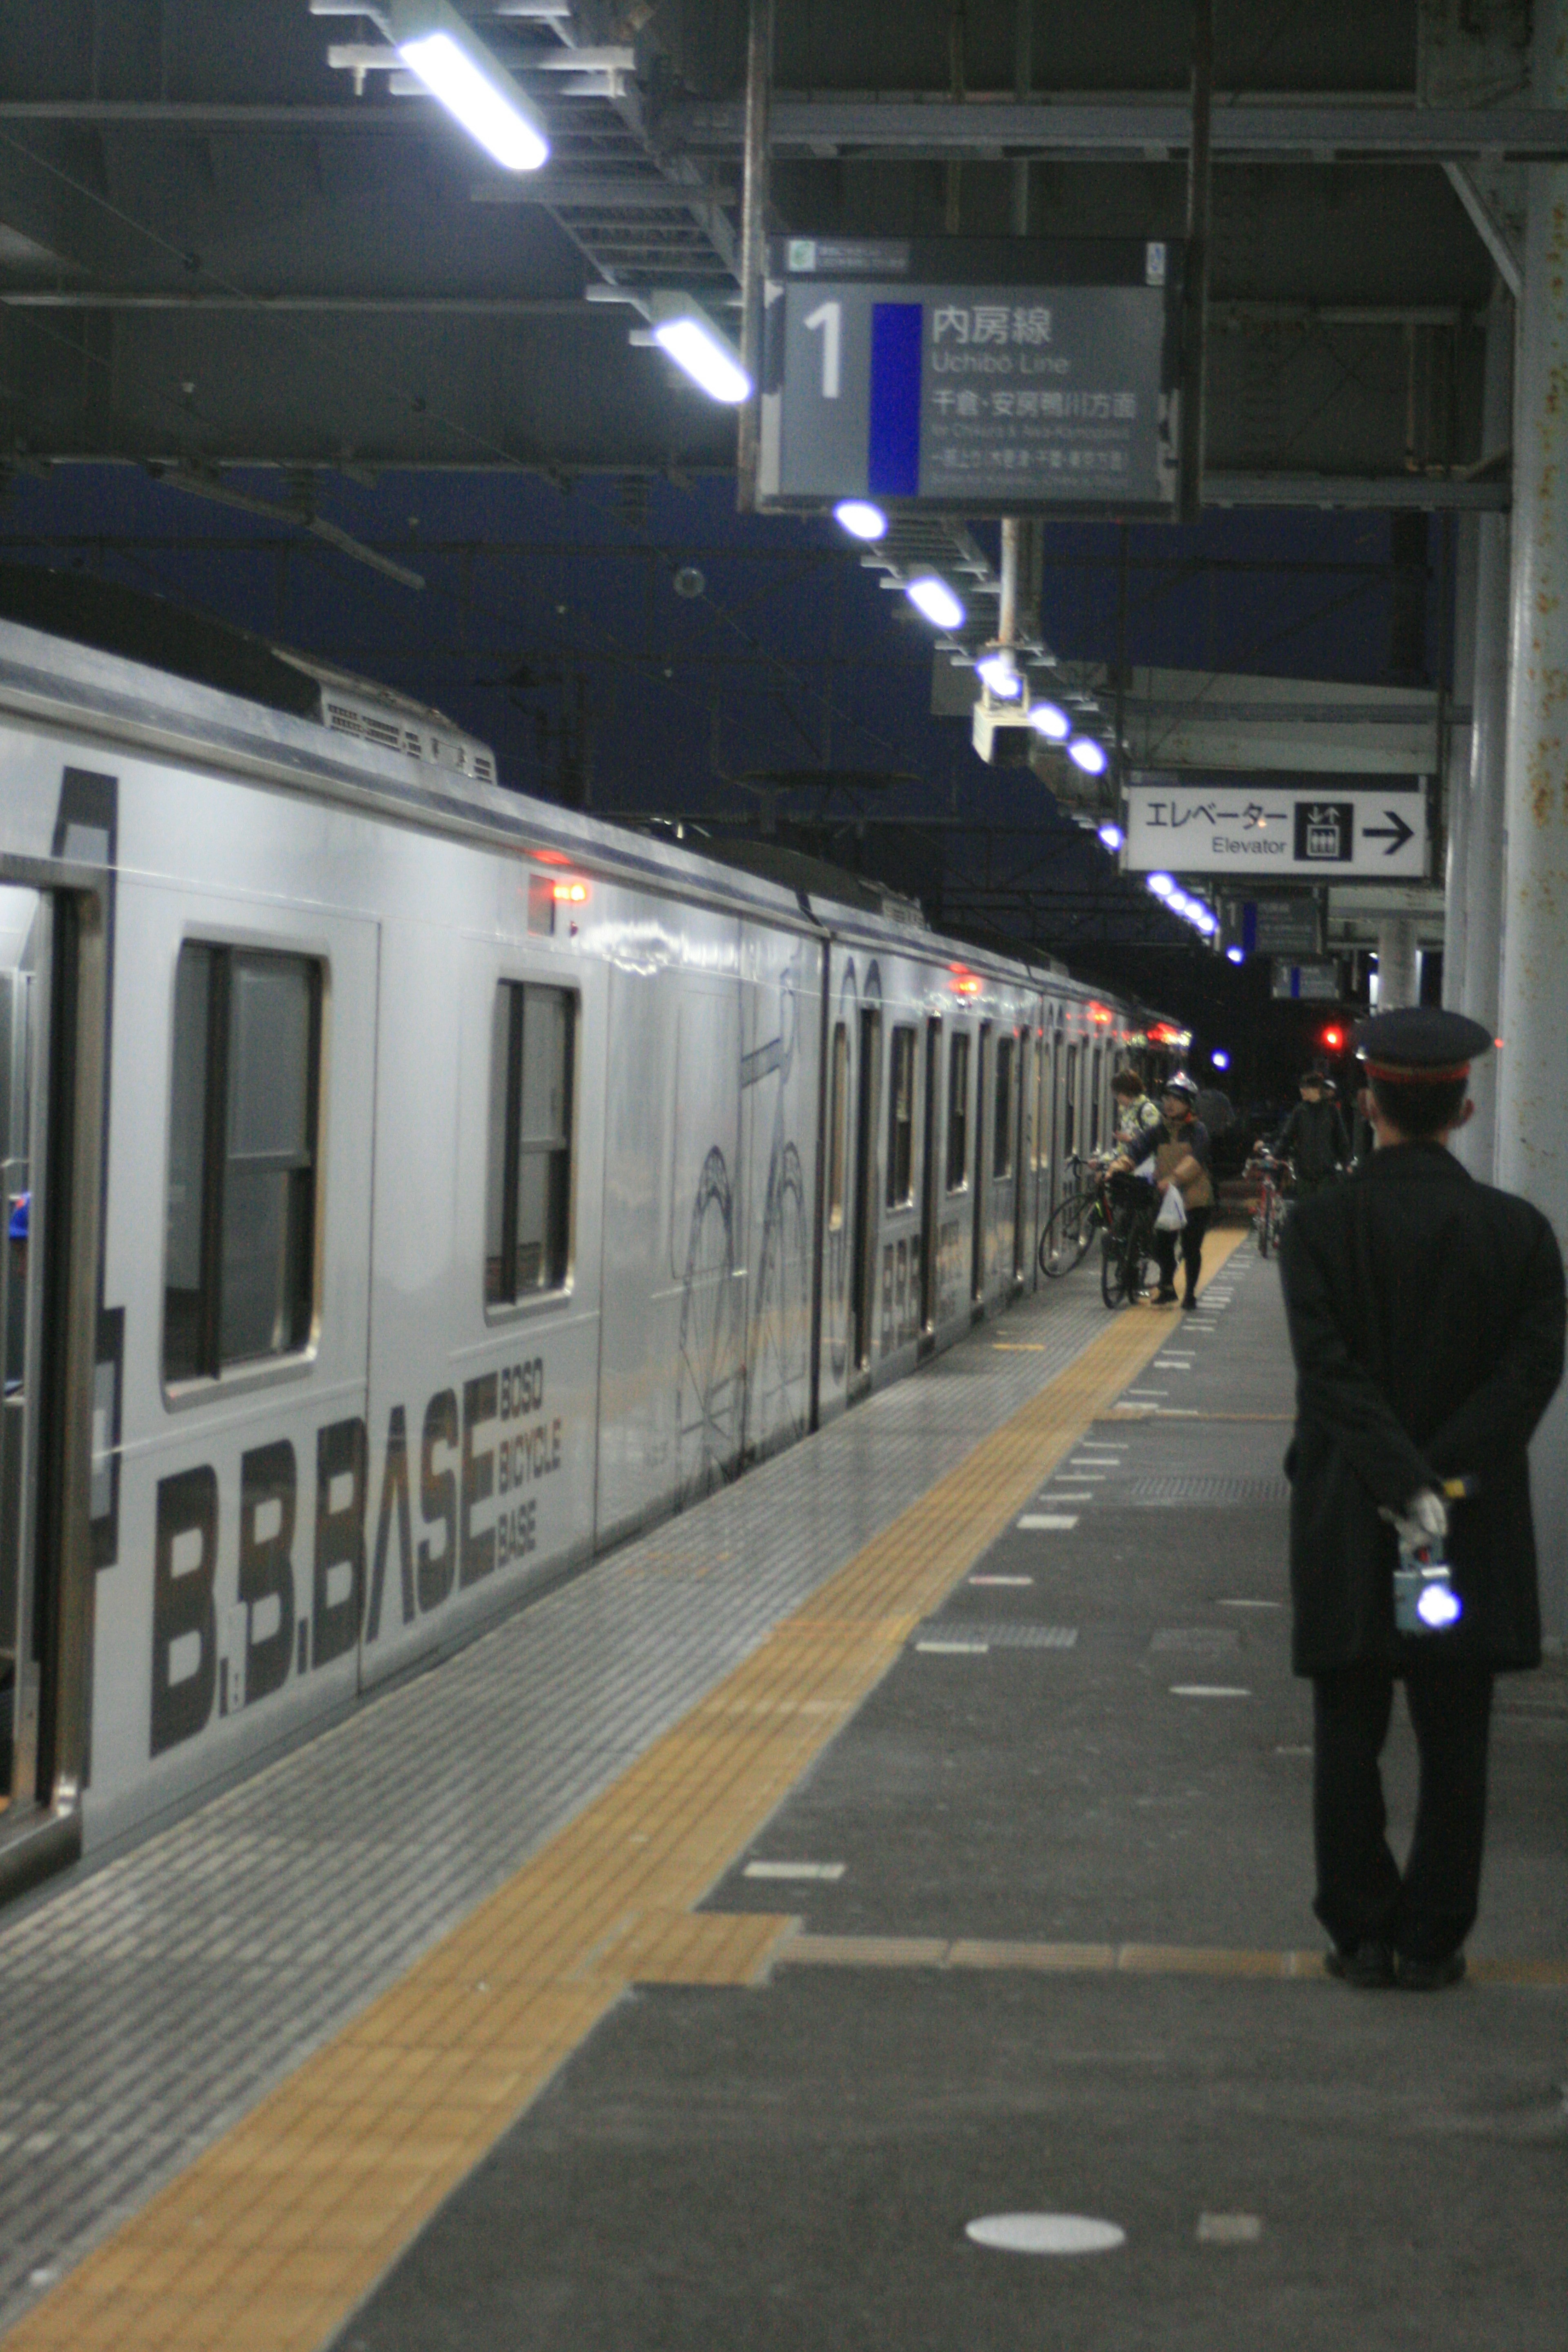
point(51, 997)
point(982, 1188)
point(1070, 1112)
point(930, 1178)
point(1095, 1091)
point(863, 1263)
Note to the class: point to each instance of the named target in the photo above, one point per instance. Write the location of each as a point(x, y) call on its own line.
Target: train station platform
point(913, 1837)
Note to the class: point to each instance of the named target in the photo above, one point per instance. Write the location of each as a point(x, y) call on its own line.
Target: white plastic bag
point(1173, 1213)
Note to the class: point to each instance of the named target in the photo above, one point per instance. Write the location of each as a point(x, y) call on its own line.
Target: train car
point(412, 1190)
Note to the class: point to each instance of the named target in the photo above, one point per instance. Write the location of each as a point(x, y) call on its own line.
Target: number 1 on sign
point(829, 318)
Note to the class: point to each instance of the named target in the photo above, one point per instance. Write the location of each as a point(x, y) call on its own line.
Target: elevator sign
point(971, 376)
point(1270, 830)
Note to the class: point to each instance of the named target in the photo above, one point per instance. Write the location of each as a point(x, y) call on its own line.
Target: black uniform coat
point(1426, 1318)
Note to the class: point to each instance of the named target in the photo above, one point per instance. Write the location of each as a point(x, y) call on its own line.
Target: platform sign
point(1277, 829)
point(972, 376)
point(1307, 983)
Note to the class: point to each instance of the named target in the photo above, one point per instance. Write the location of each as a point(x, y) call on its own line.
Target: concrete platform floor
point(1104, 1749)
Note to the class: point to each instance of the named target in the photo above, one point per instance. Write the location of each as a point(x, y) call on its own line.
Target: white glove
point(1426, 1521)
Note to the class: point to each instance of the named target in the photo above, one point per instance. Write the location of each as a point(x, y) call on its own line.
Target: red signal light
point(1333, 1038)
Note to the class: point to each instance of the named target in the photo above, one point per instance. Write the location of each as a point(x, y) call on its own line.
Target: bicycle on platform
point(1129, 1205)
point(1072, 1224)
point(1268, 1216)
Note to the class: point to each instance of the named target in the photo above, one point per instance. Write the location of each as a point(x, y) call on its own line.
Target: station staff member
point(1426, 1321)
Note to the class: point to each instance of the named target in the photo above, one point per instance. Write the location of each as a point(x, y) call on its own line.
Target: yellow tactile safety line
point(268, 2240)
point(1137, 1959)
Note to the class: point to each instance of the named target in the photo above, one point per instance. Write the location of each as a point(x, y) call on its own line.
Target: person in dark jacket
point(1313, 1138)
point(1179, 1148)
point(1426, 1321)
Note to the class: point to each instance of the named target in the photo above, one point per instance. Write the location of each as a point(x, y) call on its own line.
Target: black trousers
point(1191, 1238)
point(1426, 1913)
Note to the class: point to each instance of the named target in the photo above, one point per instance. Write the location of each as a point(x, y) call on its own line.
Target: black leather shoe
point(1370, 1967)
point(1189, 1303)
point(1429, 1976)
point(1164, 1298)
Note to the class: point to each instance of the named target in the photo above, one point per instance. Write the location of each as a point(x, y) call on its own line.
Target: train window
point(1037, 1154)
point(958, 1111)
point(901, 1121)
point(240, 1211)
point(1001, 1140)
point(528, 1211)
point(838, 1128)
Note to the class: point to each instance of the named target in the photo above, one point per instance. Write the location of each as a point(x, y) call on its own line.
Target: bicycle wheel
point(1066, 1234)
point(1110, 1269)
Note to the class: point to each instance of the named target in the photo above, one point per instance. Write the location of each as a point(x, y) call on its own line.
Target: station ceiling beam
point(1127, 130)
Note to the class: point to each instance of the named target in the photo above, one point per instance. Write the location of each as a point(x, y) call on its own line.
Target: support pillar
point(1472, 958)
point(1533, 1077)
point(1395, 961)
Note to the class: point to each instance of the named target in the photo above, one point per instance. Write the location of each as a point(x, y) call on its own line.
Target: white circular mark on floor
point(1045, 2233)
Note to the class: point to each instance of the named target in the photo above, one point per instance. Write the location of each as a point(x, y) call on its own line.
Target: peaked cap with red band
point(1417, 1043)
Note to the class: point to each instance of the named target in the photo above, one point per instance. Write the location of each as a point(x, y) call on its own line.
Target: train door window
point(901, 1121)
point(863, 1258)
point(1094, 1101)
point(1037, 1153)
point(839, 1128)
point(1069, 1105)
point(1001, 1140)
point(528, 1211)
point(930, 1133)
point(958, 1111)
point(982, 1193)
point(241, 1210)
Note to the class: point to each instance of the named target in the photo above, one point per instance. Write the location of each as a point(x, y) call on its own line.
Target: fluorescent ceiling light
point(683, 329)
point(1088, 755)
point(1162, 885)
point(1111, 835)
point(860, 519)
point(1000, 673)
point(1048, 719)
point(936, 600)
point(1220, 1058)
point(1178, 902)
point(1235, 955)
point(474, 86)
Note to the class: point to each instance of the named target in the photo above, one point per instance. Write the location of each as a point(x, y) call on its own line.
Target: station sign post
point(970, 376)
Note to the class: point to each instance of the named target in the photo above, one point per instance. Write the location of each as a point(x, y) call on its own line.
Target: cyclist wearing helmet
point(1180, 1146)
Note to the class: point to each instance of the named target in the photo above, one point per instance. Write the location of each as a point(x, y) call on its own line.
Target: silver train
point(412, 1190)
